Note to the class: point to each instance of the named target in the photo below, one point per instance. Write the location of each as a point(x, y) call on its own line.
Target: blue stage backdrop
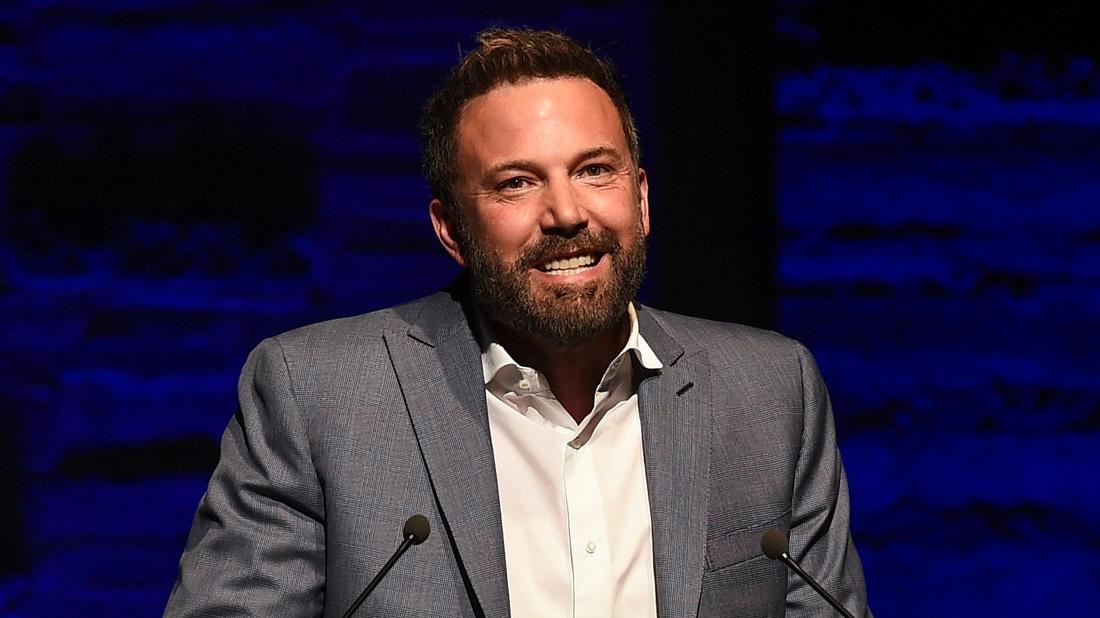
point(939, 192)
point(182, 179)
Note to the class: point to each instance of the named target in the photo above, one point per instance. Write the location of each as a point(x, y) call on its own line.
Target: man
point(575, 454)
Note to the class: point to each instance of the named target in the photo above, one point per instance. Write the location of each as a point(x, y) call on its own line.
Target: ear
point(446, 230)
point(643, 191)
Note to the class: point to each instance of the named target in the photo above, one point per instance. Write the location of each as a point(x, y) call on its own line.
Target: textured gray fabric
point(348, 427)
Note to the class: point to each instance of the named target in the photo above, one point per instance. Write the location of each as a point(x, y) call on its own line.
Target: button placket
point(592, 582)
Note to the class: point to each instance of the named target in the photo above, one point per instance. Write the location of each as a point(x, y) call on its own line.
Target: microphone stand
point(406, 543)
point(786, 559)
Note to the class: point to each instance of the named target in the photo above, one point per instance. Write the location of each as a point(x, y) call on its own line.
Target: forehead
point(539, 115)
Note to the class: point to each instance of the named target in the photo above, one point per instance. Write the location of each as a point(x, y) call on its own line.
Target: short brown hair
point(507, 57)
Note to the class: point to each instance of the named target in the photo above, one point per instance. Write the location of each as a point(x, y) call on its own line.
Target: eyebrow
point(596, 152)
point(514, 164)
point(526, 164)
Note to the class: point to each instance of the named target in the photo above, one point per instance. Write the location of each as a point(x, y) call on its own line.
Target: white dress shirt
point(574, 502)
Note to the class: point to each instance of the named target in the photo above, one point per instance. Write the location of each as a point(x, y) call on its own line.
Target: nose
point(564, 212)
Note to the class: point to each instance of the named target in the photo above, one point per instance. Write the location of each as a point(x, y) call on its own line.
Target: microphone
point(416, 530)
point(774, 544)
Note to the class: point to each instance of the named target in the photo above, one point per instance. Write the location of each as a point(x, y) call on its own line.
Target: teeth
point(568, 265)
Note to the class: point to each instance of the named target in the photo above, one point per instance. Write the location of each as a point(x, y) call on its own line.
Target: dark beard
point(563, 314)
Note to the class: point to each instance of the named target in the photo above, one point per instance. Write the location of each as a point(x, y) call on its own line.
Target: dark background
point(911, 189)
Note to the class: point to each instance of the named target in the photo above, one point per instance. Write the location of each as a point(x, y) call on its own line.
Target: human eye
point(516, 183)
point(594, 170)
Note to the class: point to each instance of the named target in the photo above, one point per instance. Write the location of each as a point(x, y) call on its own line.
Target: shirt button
point(524, 384)
point(590, 547)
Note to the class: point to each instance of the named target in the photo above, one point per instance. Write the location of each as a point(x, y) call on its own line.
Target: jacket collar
point(438, 364)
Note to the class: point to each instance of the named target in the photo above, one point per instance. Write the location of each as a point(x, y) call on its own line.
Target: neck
point(574, 371)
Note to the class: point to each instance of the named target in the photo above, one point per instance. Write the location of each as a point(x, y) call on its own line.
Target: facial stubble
point(560, 314)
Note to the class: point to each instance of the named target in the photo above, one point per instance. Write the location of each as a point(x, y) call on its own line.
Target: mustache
point(585, 241)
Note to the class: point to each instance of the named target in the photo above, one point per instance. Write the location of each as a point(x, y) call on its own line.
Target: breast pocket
point(727, 549)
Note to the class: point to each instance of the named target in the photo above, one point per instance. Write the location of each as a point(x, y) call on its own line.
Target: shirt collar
point(494, 357)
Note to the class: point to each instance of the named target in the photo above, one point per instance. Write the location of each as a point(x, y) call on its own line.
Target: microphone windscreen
point(774, 543)
point(418, 528)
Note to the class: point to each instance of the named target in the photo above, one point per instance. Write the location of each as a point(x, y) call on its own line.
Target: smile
point(570, 265)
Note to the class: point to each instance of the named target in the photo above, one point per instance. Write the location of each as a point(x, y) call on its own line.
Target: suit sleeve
point(256, 547)
point(820, 539)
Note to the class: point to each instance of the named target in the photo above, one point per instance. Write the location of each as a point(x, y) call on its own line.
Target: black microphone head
point(774, 543)
point(418, 528)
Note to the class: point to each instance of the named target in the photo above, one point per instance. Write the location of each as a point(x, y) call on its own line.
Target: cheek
point(623, 218)
point(505, 234)
point(617, 206)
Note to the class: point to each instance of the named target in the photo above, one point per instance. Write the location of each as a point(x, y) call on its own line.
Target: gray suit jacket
point(348, 427)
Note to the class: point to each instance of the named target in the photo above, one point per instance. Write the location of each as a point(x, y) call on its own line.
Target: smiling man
point(550, 218)
point(576, 454)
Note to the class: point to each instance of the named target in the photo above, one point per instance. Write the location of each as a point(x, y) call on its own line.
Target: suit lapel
point(675, 415)
point(438, 365)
